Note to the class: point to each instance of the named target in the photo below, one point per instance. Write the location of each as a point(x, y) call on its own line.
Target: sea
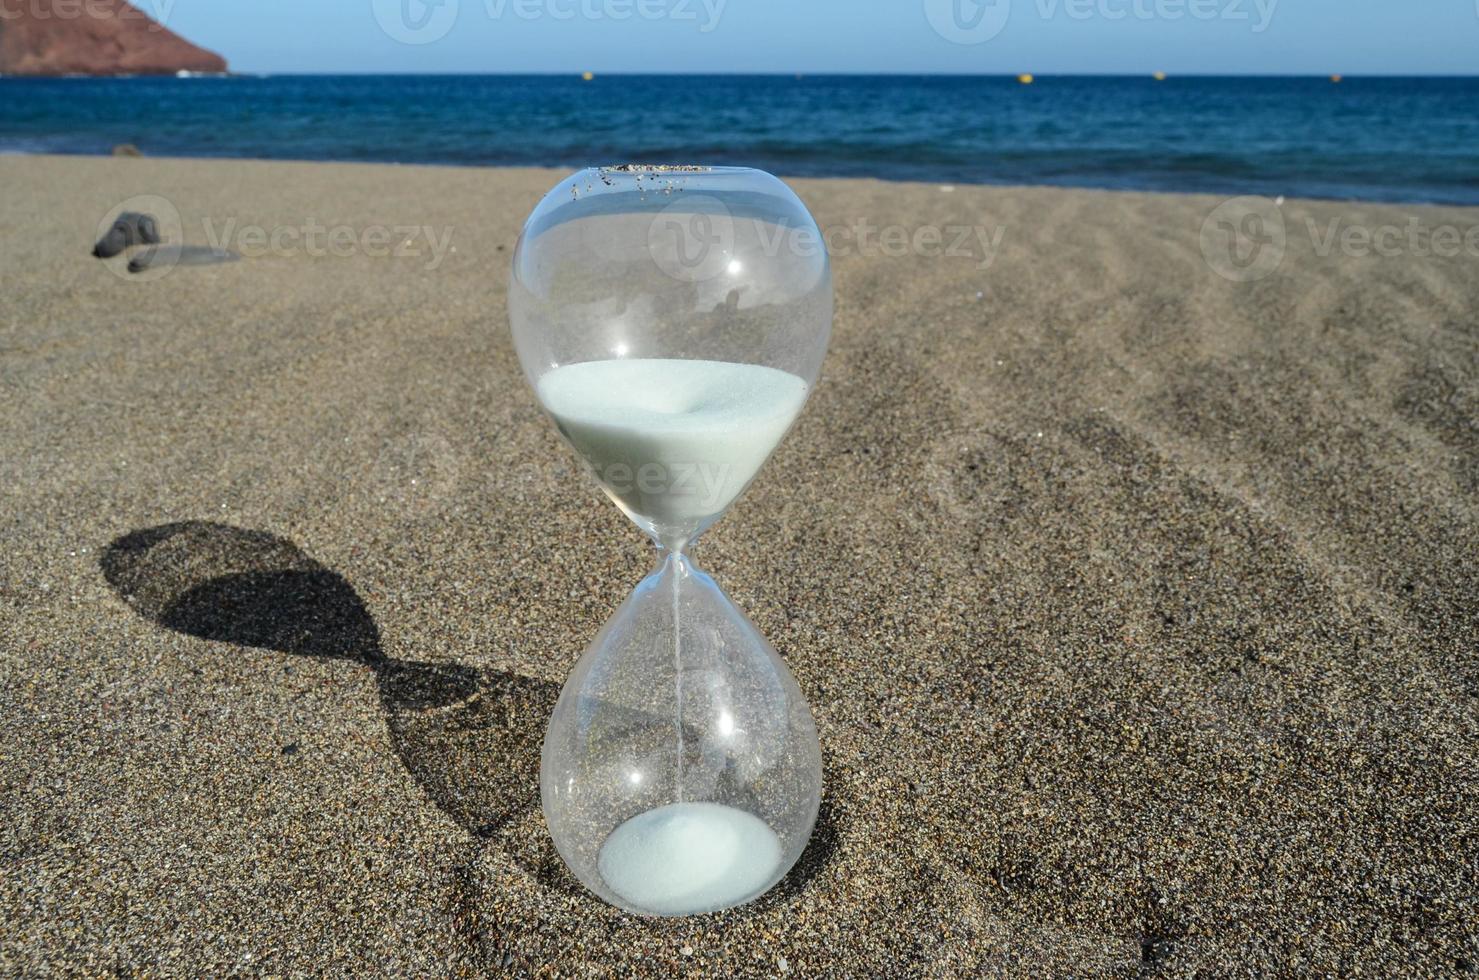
point(1377, 138)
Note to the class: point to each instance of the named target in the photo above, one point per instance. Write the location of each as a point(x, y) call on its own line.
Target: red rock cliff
point(92, 37)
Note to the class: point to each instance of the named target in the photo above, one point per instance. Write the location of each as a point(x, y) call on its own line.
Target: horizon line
point(597, 73)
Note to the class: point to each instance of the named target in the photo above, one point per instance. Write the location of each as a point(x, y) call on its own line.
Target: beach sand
point(1138, 608)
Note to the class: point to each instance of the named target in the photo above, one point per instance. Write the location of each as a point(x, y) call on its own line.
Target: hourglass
point(672, 321)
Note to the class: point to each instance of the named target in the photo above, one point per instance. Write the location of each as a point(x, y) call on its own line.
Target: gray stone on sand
point(129, 228)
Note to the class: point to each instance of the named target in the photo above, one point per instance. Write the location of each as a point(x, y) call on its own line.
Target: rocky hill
point(93, 37)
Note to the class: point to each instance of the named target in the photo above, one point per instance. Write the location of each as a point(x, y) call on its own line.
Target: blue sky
point(869, 36)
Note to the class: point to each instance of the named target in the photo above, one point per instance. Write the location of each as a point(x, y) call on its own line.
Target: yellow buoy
point(588, 75)
point(1025, 79)
point(1336, 79)
point(1159, 76)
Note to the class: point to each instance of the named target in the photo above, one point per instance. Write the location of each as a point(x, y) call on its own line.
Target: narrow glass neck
point(674, 559)
point(675, 540)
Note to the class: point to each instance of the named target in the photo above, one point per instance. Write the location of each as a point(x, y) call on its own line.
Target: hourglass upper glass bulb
point(672, 320)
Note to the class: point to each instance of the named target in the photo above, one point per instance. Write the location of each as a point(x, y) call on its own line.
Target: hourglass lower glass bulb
point(681, 771)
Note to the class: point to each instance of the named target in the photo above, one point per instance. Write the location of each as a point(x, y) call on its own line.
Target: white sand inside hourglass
point(689, 857)
point(673, 440)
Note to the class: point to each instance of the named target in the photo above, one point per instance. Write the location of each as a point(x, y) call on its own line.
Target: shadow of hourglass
point(469, 738)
